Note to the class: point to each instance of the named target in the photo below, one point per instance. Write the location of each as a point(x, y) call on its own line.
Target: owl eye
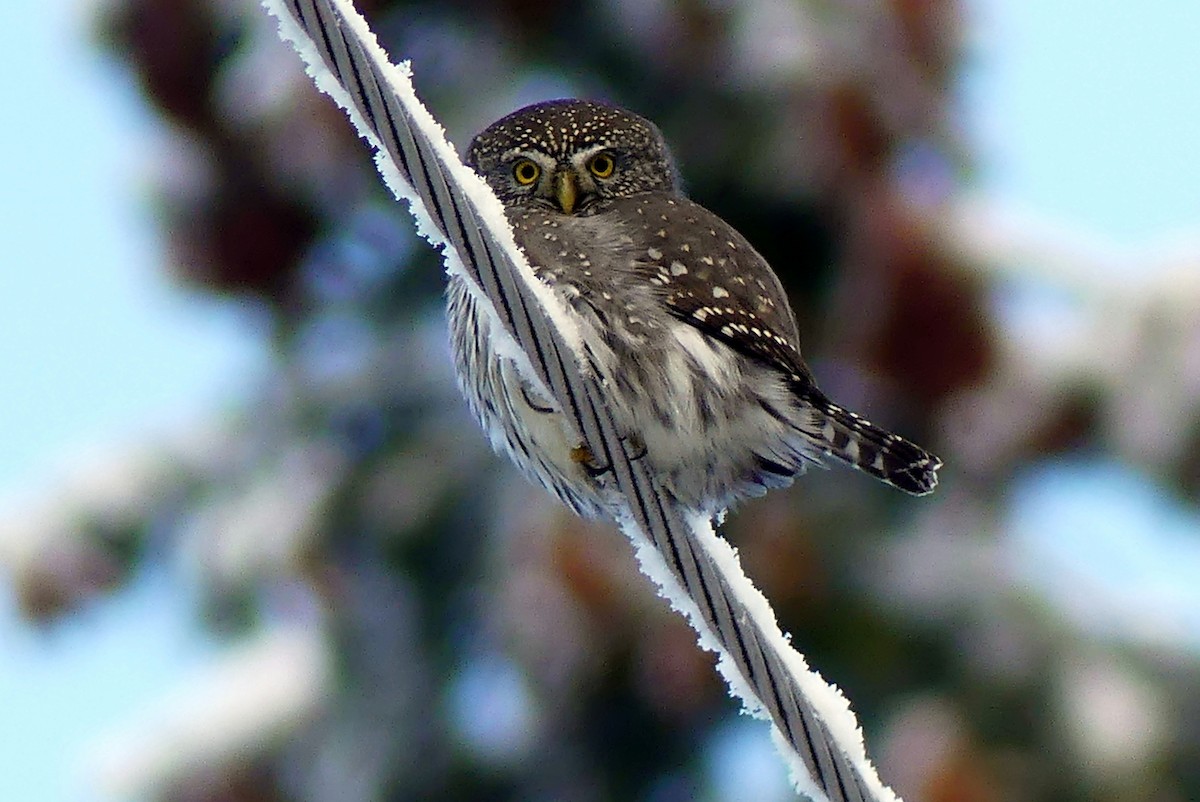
point(526, 172)
point(602, 165)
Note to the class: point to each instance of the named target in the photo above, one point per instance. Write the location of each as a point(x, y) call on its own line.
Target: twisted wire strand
point(761, 672)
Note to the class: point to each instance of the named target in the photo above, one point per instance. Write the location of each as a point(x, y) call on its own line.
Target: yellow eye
point(602, 165)
point(526, 172)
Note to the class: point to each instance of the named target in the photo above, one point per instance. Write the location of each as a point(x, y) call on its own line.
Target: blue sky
point(96, 342)
point(96, 347)
point(1086, 112)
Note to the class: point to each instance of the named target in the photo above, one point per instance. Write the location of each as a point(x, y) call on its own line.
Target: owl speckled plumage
point(685, 324)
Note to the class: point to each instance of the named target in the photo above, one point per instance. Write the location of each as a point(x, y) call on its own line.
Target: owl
point(684, 324)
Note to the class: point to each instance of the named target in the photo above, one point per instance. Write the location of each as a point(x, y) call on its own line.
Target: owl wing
point(713, 279)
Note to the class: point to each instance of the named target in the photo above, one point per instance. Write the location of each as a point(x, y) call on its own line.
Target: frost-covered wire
point(694, 569)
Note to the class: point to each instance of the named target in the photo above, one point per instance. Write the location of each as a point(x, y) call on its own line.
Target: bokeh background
point(253, 548)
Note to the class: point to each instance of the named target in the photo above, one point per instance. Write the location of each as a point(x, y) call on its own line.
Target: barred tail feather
point(863, 445)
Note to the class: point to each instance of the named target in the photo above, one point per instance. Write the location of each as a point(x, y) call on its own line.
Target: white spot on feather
point(709, 356)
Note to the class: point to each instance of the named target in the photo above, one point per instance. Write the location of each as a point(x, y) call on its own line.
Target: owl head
point(570, 155)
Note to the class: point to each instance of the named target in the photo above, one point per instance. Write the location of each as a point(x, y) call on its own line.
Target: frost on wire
point(693, 568)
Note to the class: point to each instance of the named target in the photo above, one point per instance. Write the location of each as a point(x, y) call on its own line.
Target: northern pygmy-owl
point(690, 332)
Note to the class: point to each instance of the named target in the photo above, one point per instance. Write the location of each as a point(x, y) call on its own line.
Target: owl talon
point(582, 456)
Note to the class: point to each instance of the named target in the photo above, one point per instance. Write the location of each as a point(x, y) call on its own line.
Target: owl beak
point(565, 190)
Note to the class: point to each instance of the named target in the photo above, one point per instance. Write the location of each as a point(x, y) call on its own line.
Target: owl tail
point(862, 445)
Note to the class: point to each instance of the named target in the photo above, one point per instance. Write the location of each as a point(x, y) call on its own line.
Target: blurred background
point(253, 548)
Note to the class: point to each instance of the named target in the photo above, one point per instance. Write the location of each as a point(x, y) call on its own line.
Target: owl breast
point(706, 419)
